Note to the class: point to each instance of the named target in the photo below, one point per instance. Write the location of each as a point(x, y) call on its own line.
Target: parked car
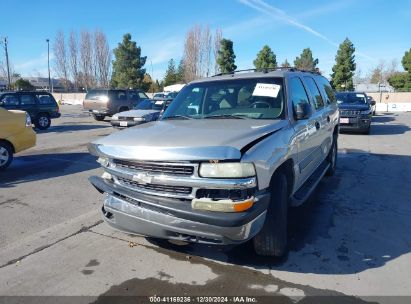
point(355, 112)
point(164, 95)
point(147, 110)
point(228, 158)
point(41, 106)
point(16, 134)
point(372, 103)
point(107, 102)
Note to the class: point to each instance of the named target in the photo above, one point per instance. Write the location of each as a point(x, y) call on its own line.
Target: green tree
point(306, 61)
point(406, 61)
point(265, 59)
point(343, 70)
point(286, 64)
point(128, 65)
point(21, 84)
point(180, 72)
point(171, 74)
point(226, 56)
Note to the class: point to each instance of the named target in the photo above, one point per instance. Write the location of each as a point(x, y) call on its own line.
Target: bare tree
point(74, 59)
point(216, 47)
point(102, 58)
point(205, 51)
point(60, 55)
point(87, 60)
point(191, 55)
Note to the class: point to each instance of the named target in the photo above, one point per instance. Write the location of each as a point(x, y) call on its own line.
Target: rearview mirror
point(302, 110)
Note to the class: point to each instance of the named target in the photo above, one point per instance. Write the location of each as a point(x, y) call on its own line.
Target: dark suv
point(41, 106)
point(107, 102)
point(355, 111)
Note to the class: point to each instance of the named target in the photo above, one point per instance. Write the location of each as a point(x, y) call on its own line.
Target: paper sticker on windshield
point(360, 95)
point(266, 90)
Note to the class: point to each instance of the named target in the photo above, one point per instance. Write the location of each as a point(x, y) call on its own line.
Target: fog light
point(227, 205)
point(103, 161)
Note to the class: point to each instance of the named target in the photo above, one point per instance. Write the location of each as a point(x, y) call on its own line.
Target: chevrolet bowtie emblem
point(142, 178)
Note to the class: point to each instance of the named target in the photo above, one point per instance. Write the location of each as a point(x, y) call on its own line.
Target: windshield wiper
point(227, 116)
point(177, 117)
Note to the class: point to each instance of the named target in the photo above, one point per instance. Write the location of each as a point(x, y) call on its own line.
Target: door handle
point(317, 125)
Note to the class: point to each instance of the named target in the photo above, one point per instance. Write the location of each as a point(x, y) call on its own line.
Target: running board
point(302, 194)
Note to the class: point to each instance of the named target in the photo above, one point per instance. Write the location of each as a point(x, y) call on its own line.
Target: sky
point(379, 30)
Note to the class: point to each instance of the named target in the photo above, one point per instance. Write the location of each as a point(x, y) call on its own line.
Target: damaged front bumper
point(170, 218)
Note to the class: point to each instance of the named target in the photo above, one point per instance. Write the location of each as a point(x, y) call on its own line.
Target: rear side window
point(318, 100)
point(142, 95)
point(26, 99)
point(96, 94)
point(327, 89)
point(45, 99)
point(118, 95)
point(9, 100)
point(134, 96)
point(298, 93)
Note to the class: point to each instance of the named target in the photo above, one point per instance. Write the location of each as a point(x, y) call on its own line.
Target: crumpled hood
point(196, 139)
point(136, 113)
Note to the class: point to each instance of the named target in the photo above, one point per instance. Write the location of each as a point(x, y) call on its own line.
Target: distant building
point(40, 83)
point(373, 87)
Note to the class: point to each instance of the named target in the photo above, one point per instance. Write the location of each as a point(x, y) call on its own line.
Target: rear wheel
point(6, 155)
point(272, 239)
point(332, 158)
point(43, 121)
point(99, 117)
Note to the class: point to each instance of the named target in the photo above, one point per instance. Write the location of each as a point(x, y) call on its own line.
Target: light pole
point(48, 61)
point(7, 62)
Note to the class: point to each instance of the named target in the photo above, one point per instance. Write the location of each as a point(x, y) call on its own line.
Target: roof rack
point(266, 70)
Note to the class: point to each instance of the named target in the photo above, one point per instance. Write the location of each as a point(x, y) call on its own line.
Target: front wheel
point(6, 155)
point(272, 239)
point(42, 122)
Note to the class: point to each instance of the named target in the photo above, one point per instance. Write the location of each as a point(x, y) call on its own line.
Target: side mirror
point(302, 110)
point(372, 102)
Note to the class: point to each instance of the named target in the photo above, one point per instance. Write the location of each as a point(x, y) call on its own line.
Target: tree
point(128, 65)
point(377, 73)
point(226, 57)
point(61, 61)
point(171, 74)
point(218, 36)
point(102, 58)
point(74, 59)
point(343, 70)
point(406, 61)
point(306, 61)
point(265, 59)
point(180, 72)
point(22, 84)
point(87, 60)
point(286, 64)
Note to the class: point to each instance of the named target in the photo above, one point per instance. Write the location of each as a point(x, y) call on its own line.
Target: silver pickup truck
point(228, 158)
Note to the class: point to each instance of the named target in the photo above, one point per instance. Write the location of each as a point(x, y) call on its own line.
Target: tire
point(272, 239)
point(43, 121)
point(6, 155)
point(332, 158)
point(99, 117)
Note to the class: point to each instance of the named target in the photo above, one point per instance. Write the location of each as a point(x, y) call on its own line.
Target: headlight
point(114, 117)
point(227, 170)
point(103, 161)
point(28, 120)
point(366, 112)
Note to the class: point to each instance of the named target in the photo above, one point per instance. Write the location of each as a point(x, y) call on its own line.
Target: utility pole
point(48, 62)
point(7, 63)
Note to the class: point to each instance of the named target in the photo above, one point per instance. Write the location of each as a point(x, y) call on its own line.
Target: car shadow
point(391, 129)
point(72, 128)
point(29, 168)
point(383, 118)
point(356, 220)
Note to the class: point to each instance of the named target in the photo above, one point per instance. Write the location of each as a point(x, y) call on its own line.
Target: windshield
point(96, 94)
point(255, 98)
point(357, 98)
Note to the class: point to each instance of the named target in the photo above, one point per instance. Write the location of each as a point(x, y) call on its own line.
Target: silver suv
point(228, 158)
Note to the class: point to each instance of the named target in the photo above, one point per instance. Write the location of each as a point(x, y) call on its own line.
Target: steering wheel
point(254, 104)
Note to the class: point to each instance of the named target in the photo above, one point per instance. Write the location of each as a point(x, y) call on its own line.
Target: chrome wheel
point(43, 121)
point(4, 156)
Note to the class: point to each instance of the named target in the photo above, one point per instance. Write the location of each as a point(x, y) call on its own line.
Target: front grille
point(349, 113)
point(124, 118)
point(155, 187)
point(155, 168)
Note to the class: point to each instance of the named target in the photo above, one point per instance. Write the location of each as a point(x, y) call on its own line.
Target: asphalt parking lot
point(353, 237)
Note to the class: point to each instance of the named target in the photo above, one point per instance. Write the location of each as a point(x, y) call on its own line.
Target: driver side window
point(298, 93)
